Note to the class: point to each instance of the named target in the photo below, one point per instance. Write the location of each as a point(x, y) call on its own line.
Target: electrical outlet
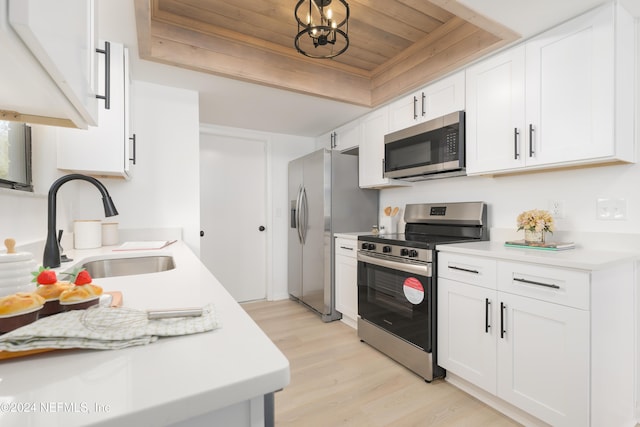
point(611, 209)
point(556, 208)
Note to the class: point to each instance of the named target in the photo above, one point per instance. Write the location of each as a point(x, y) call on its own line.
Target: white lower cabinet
point(543, 359)
point(524, 333)
point(346, 279)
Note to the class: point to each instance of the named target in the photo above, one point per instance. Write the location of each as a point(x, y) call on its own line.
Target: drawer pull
point(346, 247)
point(531, 282)
point(487, 303)
point(453, 267)
point(502, 331)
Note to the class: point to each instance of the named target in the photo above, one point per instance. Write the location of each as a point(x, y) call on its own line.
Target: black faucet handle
point(63, 257)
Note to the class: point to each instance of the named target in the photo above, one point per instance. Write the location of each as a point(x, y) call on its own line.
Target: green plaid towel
point(105, 329)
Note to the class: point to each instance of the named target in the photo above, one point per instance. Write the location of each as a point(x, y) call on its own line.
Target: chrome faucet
point(51, 256)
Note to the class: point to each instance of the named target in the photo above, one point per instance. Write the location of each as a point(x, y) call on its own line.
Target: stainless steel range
point(397, 289)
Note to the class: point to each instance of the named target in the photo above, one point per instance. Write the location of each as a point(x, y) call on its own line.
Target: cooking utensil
point(395, 210)
point(102, 319)
point(387, 211)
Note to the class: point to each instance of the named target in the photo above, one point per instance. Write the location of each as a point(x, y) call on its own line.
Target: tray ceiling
point(394, 48)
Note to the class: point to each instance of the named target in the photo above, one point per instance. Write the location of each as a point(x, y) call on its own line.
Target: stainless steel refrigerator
point(324, 198)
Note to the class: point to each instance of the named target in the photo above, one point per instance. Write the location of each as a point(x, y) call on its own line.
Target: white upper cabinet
point(374, 126)
point(346, 137)
point(49, 56)
point(495, 116)
point(107, 149)
point(560, 99)
point(440, 98)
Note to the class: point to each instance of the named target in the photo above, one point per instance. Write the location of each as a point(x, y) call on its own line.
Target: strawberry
point(83, 278)
point(44, 276)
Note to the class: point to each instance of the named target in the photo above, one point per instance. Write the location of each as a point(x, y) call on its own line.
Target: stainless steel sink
point(112, 267)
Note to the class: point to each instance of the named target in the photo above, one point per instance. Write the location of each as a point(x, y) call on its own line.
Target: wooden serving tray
point(116, 301)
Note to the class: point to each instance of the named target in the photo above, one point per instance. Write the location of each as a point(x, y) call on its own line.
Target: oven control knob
point(413, 253)
point(404, 252)
point(386, 249)
point(371, 246)
point(365, 246)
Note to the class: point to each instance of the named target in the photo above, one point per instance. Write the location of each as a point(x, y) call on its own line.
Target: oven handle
point(419, 269)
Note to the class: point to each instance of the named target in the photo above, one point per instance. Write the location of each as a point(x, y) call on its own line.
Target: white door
point(232, 212)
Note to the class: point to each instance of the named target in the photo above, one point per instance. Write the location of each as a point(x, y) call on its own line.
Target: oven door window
point(396, 301)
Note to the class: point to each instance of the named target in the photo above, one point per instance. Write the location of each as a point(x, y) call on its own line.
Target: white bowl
point(18, 256)
point(29, 287)
point(5, 266)
point(16, 281)
point(24, 269)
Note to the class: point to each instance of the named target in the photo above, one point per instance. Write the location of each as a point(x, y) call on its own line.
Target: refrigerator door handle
point(304, 225)
point(298, 213)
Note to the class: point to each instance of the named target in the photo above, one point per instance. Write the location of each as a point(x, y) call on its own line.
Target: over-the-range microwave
point(433, 149)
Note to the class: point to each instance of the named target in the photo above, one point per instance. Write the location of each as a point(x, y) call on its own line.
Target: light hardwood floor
point(338, 380)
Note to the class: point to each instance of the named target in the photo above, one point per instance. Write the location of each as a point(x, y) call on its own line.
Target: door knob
point(261, 228)
point(201, 233)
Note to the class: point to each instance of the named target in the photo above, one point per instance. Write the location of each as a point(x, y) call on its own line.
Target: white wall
point(281, 149)
point(507, 196)
point(164, 191)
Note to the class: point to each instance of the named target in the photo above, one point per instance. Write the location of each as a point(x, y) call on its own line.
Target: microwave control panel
point(450, 139)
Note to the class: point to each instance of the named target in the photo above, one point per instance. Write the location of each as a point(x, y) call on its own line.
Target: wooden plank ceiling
point(395, 45)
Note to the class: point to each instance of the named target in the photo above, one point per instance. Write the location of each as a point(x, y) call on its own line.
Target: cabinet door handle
point(531, 152)
point(467, 270)
point(415, 106)
point(502, 331)
point(107, 75)
point(424, 109)
point(133, 139)
point(516, 154)
point(532, 282)
point(487, 304)
point(346, 247)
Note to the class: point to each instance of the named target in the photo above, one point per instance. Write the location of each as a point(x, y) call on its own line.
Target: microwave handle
point(383, 168)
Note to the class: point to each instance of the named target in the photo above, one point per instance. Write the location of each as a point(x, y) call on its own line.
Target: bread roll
point(80, 293)
point(20, 302)
point(53, 291)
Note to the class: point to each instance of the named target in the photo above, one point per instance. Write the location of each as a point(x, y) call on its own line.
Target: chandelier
point(322, 30)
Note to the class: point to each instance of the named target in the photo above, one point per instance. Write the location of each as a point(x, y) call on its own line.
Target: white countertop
point(582, 259)
point(352, 236)
point(165, 382)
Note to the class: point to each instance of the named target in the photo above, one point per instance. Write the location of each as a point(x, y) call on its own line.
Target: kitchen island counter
point(219, 377)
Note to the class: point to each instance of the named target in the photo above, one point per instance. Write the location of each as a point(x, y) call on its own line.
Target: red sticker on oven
point(413, 290)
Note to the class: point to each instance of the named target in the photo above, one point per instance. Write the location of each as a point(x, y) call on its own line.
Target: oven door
point(397, 297)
